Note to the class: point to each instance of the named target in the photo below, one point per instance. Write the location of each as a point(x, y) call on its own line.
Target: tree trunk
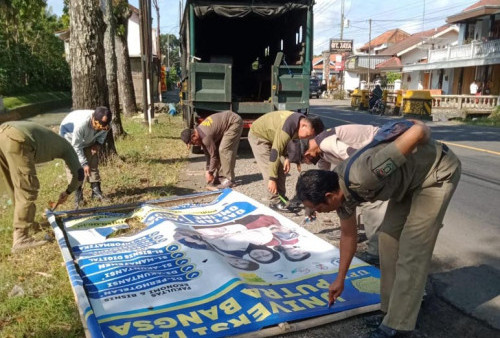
point(109, 48)
point(88, 70)
point(125, 82)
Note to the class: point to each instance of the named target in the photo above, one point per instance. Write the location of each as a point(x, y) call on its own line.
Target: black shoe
point(78, 198)
point(378, 333)
point(96, 191)
point(374, 321)
point(384, 332)
point(280, 207)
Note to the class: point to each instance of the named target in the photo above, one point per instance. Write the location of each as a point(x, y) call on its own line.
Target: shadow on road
point(474, 290)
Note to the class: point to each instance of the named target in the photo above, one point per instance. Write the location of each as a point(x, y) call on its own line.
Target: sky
point(411, 16)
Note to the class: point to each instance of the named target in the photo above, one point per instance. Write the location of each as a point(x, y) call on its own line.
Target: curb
point(31, 110)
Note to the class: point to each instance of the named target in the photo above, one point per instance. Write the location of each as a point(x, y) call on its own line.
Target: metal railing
point(474, 50)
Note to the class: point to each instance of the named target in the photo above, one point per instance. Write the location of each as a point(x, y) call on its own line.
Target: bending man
point(22, 146)
point(328, 149)
point(86, 131)
point(419, 176)
point(219, 136)
point(268, 137)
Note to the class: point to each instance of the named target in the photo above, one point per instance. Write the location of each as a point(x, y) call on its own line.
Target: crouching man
point(23, 145)
point(86, 131)
point(418, 176)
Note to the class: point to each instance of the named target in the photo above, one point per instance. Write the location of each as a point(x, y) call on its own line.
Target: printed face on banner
point(223, 268)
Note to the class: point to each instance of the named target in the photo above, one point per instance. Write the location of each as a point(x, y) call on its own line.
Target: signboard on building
point(339, 46)
point(339, 63)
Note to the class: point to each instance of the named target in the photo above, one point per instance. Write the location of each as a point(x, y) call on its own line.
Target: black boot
point(78, 197)
point(96, 191)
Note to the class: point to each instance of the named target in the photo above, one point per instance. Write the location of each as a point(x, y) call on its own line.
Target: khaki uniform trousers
point(228, 148)
point(261, 151)
point(406, 242)
point(17, 165)
point(372, 216)
point(93, 163)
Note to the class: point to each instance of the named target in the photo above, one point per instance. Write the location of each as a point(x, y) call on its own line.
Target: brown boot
point(23, 242)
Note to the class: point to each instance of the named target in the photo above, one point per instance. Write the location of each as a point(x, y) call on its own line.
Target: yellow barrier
point(359, 99)
point(365, 98)
point(355, 98)
point(417, 102)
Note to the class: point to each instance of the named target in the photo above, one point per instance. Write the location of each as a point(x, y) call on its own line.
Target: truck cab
point(251, 57)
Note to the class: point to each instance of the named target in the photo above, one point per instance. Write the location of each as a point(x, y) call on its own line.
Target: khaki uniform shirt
point(211, 131)
point(49, 146)
point(338, 143)
point(278, 128)
point(383, 172)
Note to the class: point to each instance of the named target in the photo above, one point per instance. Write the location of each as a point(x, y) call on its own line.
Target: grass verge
point(148, 168)
point(11, 102)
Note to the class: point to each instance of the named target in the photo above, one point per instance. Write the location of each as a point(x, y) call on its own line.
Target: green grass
point(148, 168)
point(11, 102)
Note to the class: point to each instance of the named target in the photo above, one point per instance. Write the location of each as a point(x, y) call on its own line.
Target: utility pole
point(341, 73)
point(146, 59)
point(143, 60)
point(158, 47)
point(369, 51)
point(342, 20)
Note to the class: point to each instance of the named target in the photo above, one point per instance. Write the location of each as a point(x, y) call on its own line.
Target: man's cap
point(296, 150)
point(102, 115)
point(186, 135)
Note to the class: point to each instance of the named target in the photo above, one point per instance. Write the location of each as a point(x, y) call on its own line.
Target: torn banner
point(218, 269)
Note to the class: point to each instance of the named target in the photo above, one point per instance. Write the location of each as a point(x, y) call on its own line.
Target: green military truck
point(251, 57)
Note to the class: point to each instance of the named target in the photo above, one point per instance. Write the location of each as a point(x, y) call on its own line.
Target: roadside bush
point(495, 115)
point(339, 95)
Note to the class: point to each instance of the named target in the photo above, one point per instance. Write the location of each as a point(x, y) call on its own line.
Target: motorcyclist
point(375, 95)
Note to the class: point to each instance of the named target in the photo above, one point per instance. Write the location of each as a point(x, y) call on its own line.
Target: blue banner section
point(223, 268)
point(238, 308)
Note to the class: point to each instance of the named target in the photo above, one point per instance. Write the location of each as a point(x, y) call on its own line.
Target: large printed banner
point(223, 268)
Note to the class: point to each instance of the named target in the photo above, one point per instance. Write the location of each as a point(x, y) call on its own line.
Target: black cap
point(186, 135)
point(102, 115)
point(296, 150)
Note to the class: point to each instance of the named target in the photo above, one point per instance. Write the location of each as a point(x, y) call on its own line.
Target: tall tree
point(88, 68)
point(111, 78)
point(125, 83)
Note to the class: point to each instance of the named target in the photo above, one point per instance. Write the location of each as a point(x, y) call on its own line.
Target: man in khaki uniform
point(219, 136)
point(269, 137)
point(419, 176)
point(328, 149)
point(22, 145)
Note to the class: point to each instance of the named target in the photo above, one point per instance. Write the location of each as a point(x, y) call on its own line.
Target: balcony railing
point(474, 50)
point(471, 103)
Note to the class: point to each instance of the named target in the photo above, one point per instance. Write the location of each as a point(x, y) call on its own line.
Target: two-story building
point(362, 66)
point(414, 50)
point(475, 57)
